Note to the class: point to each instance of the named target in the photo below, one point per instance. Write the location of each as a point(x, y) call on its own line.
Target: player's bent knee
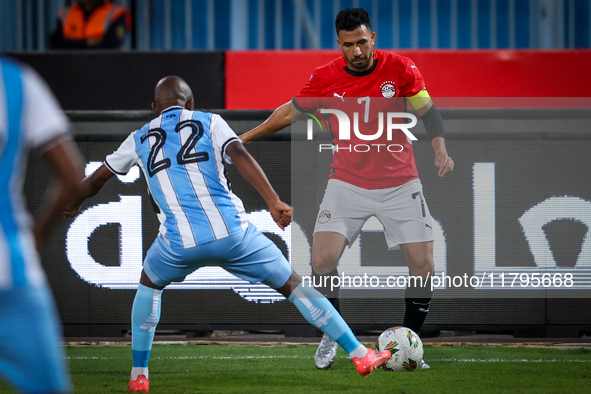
point(423, 269)
point(327, 248)
point(323, 265)
point(324, 260)
point(419, 258)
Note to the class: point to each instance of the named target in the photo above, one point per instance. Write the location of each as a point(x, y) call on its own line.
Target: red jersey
point(377, 162)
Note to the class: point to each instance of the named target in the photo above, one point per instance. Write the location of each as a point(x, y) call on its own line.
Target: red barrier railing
point(267, 79)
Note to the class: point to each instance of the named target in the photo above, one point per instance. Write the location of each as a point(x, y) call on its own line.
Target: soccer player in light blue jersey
point(31, 356)
point(182, 154)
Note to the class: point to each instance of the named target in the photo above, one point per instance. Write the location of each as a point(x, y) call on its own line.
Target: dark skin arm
point(90, 185)
point(245, 164)
point(67, 163)
point(253, 173)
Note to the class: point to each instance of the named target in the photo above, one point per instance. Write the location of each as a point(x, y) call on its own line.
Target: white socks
point(360, 352)
point(137, 371)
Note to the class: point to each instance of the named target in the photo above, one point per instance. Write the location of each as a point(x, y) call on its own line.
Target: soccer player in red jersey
point(382, 182)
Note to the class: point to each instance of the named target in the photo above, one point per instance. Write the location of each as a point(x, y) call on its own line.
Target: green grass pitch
point(290, 369)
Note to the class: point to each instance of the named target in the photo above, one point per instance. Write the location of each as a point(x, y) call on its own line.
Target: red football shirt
point(369, 162)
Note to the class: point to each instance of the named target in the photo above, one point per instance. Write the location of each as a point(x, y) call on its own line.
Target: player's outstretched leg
point(416, 311)
point(318, 311)
point(418, 294)
point(145, 316)
point(327, 349)
point(327, 248)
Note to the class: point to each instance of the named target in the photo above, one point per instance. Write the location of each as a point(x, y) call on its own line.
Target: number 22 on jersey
point(185, 154)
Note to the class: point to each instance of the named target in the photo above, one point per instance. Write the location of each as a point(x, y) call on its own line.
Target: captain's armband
point(419, 100)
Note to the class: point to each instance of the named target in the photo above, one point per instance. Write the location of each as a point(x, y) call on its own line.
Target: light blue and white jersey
point(182, 154)
point(30, 117)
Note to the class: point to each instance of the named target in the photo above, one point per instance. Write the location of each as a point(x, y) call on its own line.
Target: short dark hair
point(350, 19)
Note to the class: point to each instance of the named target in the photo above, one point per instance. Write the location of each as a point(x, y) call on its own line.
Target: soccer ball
point(406, 348)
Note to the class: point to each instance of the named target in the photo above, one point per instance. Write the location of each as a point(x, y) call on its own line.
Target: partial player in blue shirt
point(31, 355)
point(181, 154)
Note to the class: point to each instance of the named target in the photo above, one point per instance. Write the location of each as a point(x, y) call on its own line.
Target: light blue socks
point(145, 316)
point(315, 308)
point(319, 312)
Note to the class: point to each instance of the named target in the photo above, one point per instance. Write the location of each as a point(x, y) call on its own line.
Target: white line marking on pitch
point(446, 360)
point(503, 360)
point(198, 357)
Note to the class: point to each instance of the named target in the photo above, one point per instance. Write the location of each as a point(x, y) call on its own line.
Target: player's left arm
point(424, 108)
point(254, 174)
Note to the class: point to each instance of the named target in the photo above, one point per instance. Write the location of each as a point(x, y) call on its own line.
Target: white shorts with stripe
point(402, 210)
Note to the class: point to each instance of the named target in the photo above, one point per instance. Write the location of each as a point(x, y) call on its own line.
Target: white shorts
point(402, 210)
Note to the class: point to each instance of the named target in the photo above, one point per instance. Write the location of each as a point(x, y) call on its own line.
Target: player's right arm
point(279, 119)
point(118, 162)
point(90, 186)
point(288, 113)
